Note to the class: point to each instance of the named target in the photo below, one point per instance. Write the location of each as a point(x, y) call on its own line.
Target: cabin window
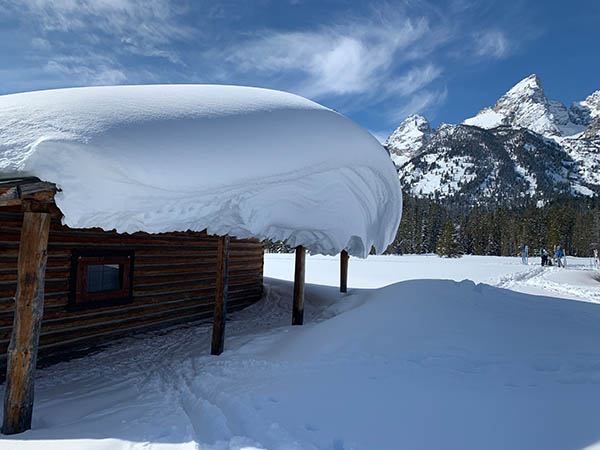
point(101, 277)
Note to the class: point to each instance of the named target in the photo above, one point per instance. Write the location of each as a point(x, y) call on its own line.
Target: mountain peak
point(409, 138)
point(583, 112)
point(530, 84)
point(525, 105)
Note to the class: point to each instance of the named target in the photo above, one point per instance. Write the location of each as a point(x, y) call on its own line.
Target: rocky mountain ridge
point(524, 147)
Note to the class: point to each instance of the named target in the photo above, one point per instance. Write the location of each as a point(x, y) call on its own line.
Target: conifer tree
point(448, 244)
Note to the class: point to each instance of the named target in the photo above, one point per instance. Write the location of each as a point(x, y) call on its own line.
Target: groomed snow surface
point(400, 362)
point(234, 160)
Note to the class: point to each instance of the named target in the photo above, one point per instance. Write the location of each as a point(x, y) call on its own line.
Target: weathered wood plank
point(299, 269)
point(220, 308)
point(22, 351)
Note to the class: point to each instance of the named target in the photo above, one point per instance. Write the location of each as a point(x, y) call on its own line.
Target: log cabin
point(124, 209)
point(100, 285)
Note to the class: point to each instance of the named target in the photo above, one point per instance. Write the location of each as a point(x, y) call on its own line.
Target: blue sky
point(375, 62)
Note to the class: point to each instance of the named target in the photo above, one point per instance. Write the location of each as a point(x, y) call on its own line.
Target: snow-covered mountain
point(409, 138)
point(524, 147)
point(582, 113)
point(525, 105)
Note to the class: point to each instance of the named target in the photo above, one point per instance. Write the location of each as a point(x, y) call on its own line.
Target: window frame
point(81, 259)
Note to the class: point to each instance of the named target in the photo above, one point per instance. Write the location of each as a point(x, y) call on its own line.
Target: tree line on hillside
point(430, 226)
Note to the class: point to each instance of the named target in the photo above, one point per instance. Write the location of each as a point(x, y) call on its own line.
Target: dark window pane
point(103, 277)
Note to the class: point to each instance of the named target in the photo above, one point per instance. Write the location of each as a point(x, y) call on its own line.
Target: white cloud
point(414, 80)
point(354, 58)
point(492, 43)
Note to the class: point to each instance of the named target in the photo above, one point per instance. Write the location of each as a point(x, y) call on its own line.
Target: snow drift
point(233, 160)
point(419, 364)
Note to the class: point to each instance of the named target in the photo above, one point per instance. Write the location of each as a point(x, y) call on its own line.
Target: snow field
point(417, 364)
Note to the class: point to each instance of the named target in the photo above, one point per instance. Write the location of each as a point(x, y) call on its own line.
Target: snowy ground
point(419, 364)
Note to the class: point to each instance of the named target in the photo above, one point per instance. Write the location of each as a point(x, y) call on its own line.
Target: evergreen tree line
point(428, 226)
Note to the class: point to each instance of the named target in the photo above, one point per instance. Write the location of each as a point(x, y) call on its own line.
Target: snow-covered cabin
point(130, 207)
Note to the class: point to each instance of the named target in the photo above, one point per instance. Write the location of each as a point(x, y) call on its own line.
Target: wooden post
point(218, 336)
point(298, 312)
point(29, 309)
point(344, 271)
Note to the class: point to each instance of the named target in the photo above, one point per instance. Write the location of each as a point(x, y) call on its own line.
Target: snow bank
point(233, 160)
point(421, 364)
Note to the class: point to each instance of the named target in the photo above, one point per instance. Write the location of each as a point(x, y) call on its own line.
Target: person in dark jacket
point(544, 256)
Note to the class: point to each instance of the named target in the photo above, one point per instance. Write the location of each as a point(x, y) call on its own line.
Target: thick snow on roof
point(233, 160)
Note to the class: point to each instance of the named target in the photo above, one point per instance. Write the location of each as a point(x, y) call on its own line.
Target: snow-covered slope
point(540, 150)
point(433, 363)
point(408, 139)
point(233, 160)
point(474, 166)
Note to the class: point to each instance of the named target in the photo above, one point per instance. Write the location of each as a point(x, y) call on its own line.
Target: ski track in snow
point(541, 278)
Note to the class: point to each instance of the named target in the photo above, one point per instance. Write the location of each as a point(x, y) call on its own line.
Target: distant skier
point(596, 259)
point(524, 254)
point(559, 256)
point(544, 256)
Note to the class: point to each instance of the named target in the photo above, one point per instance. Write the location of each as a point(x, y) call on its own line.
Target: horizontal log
point(141, 260)
point(147, 280)
point(245, 265)
point(163, 269)
point(7, 289)
point(177, 286)
point(10, 275)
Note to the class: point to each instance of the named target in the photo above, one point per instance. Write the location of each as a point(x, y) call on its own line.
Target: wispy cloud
point(367, 61)
point(345, 59)
point(143, 27)
point(492, 43)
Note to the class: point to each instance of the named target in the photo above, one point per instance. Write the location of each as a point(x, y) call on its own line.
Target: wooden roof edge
point(28, 190)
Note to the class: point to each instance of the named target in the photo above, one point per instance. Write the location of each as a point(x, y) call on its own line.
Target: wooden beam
point(344, 271)
point(28, 190)
point(298, 311)
point(218, 336)
point(29, 309)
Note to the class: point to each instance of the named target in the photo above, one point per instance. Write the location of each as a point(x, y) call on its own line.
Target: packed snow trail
point(418, 364)
point(576, 282)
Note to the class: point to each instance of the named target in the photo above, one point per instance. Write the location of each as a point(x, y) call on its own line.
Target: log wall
point(173, 282)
